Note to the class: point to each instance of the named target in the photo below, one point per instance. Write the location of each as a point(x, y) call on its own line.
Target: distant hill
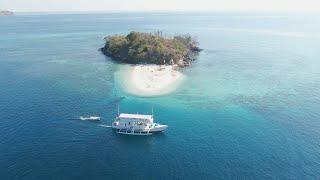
point(6, 13)
point(152, 48)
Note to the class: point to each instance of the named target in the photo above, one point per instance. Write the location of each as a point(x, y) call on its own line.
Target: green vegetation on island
point(152, 48)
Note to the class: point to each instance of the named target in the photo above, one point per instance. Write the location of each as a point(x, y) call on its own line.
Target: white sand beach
point(151, 80)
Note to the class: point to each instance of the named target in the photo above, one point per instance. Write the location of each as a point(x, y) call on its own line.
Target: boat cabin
point(128, 120)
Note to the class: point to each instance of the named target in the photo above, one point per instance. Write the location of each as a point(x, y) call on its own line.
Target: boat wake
point(103, 125)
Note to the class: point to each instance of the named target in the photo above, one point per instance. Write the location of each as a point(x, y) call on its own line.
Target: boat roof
point(135, 116)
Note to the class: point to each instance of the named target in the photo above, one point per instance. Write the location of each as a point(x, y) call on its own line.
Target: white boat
point(90, 118)
point(136, 124)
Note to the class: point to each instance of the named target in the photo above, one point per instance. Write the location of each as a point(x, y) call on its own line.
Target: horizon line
point(161, 11)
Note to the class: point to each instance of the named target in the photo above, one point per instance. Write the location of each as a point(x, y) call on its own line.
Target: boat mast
point(118, 109)
point(152, 110)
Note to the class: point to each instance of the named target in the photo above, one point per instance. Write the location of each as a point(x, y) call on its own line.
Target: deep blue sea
point(249, 108)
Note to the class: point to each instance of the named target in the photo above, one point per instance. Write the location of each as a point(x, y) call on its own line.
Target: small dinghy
point(90, 118)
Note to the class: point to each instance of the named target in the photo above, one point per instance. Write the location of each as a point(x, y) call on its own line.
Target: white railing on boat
point(132, 132)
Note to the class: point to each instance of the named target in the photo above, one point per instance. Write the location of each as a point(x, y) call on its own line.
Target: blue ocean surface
point(249, 108)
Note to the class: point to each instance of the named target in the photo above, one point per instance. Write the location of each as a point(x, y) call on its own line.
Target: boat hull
point(154, 129)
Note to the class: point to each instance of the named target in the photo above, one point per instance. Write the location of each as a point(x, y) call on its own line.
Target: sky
point(159, 5)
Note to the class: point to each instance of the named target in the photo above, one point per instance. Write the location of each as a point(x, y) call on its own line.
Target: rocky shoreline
point(6, 13)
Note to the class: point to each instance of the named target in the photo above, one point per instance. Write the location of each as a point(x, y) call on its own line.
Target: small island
point(152, 48)
point(154, 60)
point(6, 13)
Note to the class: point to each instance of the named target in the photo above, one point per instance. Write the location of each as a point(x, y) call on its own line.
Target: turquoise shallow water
point(249, 108)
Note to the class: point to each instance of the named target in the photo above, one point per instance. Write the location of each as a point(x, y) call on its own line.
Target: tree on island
point(151, 48)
